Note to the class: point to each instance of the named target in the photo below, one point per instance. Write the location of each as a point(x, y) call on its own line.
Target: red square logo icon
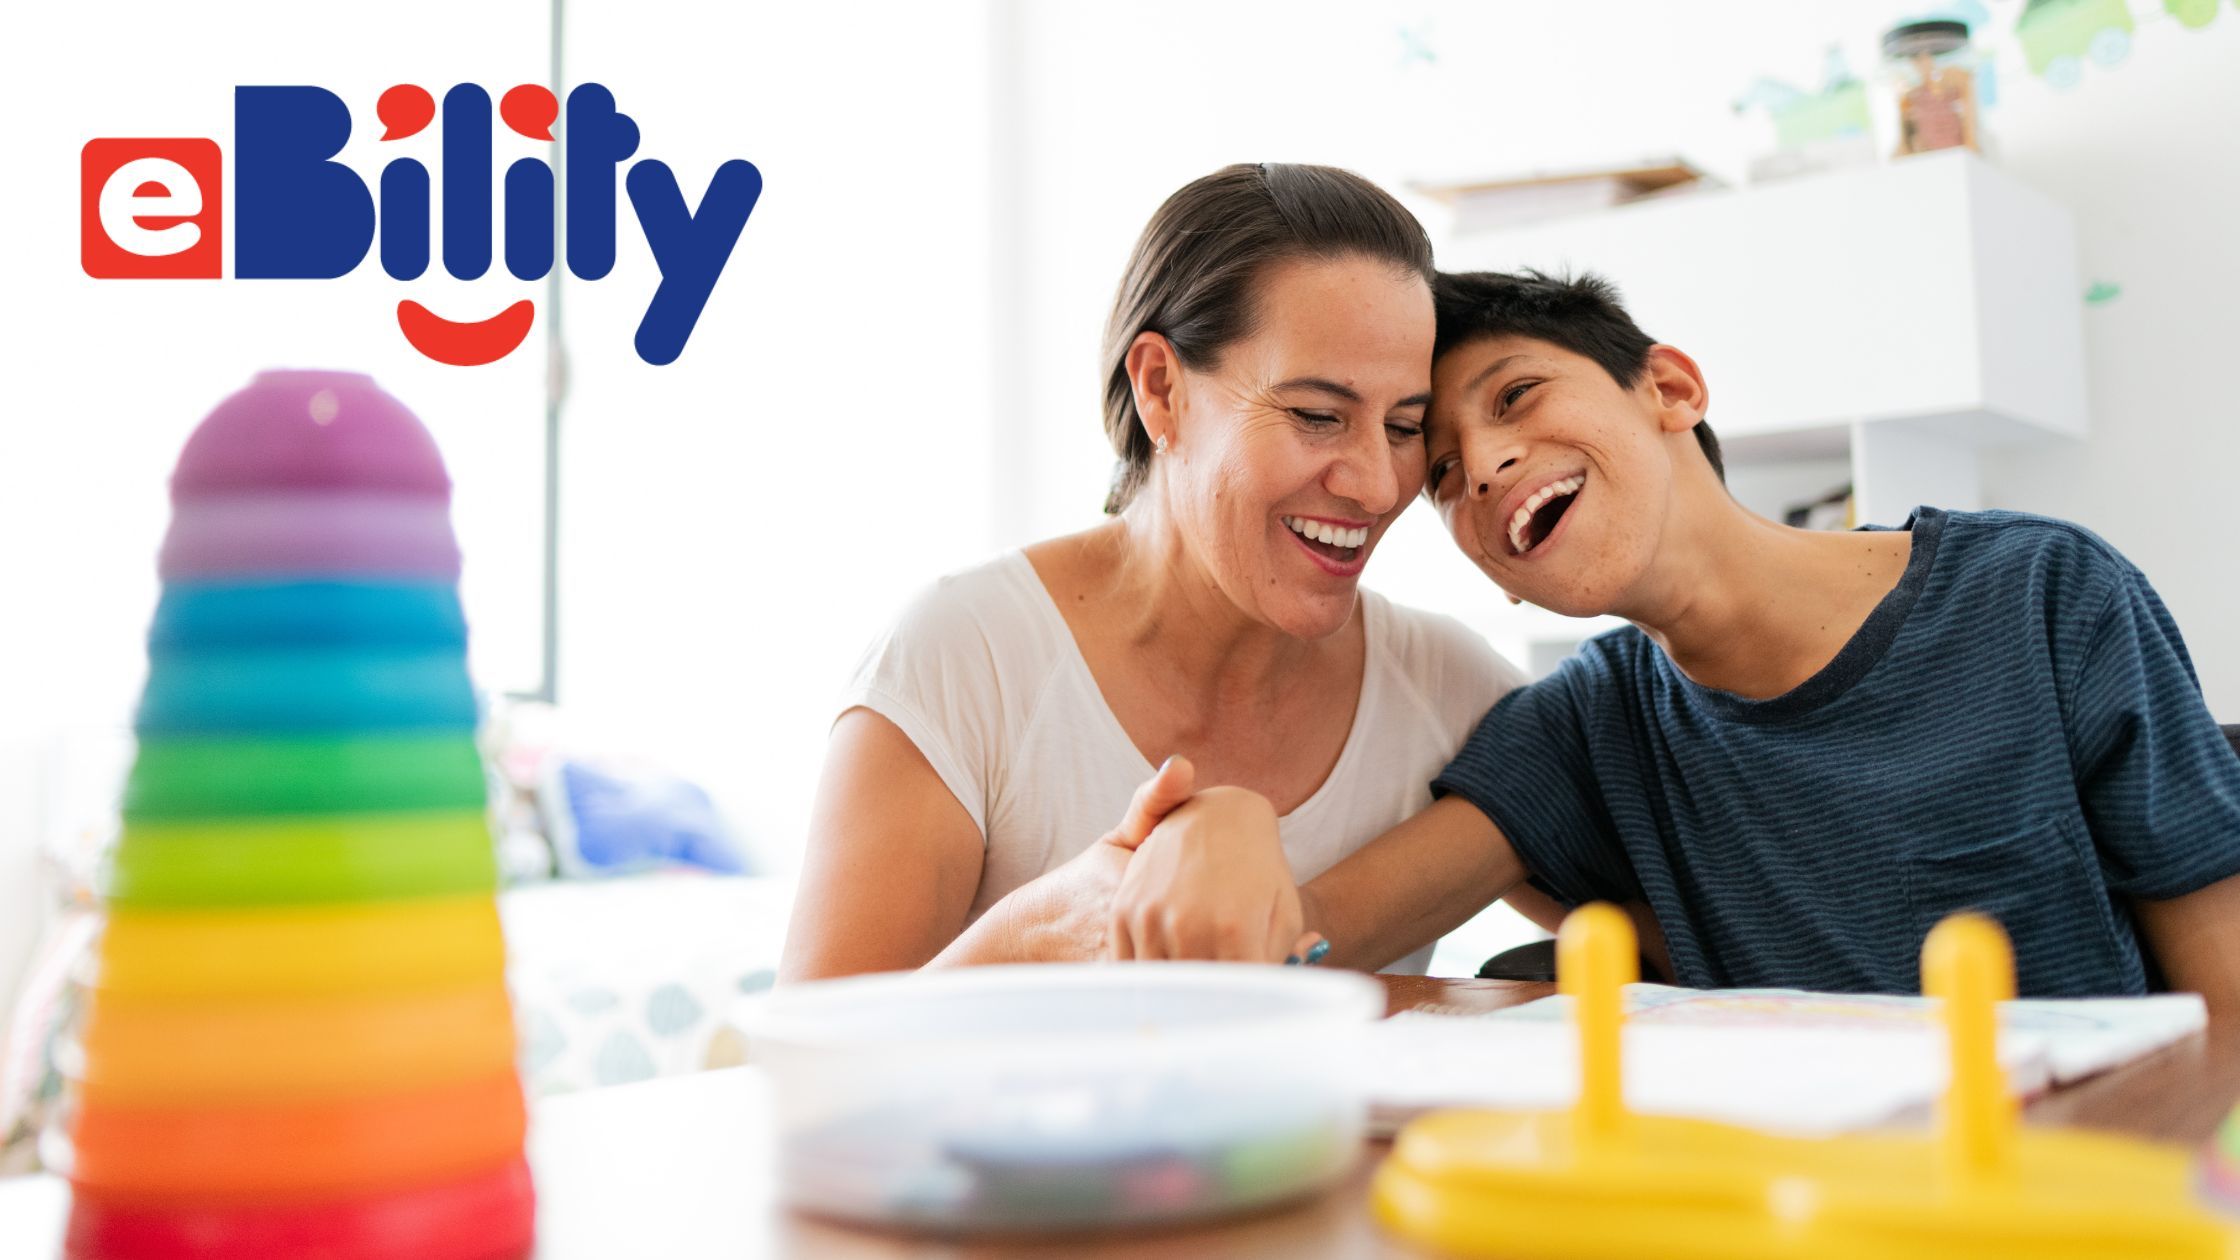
point(151, 209)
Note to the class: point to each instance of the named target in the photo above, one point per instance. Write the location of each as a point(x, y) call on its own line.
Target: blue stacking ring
point(277, 690)
point(308, 612)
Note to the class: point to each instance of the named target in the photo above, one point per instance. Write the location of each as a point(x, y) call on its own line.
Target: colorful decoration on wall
point(1801, 118)
point(2191, 13)
point(1415, 45)
point(2057, 36)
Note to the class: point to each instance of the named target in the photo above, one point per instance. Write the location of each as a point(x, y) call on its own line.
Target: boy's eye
point(1510, 395)
point(1440, 467)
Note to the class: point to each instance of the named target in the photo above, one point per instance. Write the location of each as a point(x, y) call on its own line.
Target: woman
point(1267, 365)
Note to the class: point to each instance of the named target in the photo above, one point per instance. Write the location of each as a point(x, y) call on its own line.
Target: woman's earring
point(1160, 445)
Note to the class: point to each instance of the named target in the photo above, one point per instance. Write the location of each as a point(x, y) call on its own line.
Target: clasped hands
point(1205, 877)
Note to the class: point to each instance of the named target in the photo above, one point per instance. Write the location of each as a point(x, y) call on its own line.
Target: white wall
point(737, 526)
point(2148, 158)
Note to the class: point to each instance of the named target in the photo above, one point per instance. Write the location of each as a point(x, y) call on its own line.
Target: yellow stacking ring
point(302, 951)
point(136, 1050)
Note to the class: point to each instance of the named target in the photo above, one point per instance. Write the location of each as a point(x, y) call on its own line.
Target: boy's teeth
point(1324, 532)
point(1539, 499)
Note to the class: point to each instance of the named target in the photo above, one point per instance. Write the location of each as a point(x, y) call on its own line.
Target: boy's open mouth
point(1536, 517)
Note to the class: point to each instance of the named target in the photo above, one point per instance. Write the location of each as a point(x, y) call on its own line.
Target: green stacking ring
point(208, 777)
point(285, 859)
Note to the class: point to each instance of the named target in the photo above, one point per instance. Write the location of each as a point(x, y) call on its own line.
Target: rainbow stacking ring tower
point(297, 1039)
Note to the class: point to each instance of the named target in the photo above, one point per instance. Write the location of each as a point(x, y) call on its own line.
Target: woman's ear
point(1682, 397)
point(1154, 373)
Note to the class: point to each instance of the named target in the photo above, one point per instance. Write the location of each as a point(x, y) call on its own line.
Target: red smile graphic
point(469, 344)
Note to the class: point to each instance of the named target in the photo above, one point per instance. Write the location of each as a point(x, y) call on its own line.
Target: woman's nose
point(1368, 474)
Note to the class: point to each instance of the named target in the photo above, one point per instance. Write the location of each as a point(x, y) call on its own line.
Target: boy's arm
point(1411, 885)
point(2196, 939)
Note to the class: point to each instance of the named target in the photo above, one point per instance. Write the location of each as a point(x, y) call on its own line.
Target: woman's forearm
point(1061, 916)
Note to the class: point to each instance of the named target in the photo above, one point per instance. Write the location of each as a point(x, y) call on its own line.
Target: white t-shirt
point(983, 674)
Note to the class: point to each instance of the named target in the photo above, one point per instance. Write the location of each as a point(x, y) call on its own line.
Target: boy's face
point(1552, 477)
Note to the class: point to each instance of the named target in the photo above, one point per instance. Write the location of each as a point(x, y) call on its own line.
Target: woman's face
point(1292, 455)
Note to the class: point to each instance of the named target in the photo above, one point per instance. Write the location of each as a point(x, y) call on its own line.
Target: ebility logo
point(156, 208)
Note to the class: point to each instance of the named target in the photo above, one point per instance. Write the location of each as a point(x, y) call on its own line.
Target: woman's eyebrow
point(1321, 385)
point(1333, 388)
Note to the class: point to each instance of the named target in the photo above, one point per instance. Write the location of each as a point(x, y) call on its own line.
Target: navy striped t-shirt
point(2016, 728)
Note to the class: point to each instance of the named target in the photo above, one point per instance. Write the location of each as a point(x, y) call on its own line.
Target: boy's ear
point(1154, 374)
point(1677, 383)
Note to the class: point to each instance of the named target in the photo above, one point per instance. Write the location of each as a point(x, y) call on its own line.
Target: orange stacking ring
point(308, 951)
point(234, 1153)
point(165, 1051)
point(488, 1216)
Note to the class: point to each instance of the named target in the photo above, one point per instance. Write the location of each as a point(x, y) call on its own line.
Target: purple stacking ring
point(310, 430)
point(310, 534)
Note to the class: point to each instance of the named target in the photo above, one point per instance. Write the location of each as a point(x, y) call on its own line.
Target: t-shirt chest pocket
point(2042, 883)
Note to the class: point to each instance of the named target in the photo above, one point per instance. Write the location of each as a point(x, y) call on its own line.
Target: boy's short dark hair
point(1580, 313)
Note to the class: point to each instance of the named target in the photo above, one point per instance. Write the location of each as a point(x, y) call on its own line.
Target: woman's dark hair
point(1191, 278)
point(1581, 313)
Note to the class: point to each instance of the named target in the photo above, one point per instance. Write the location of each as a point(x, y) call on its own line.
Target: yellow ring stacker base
point(1599, 1181)
point(318, 950)
point(161, 1051)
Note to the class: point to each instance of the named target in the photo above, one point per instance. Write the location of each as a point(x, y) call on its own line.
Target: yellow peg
point(1596, 957)
point(1968, 965)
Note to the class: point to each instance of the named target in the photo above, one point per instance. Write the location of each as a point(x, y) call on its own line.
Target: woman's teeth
point(1325, 533)
point(1539, 499)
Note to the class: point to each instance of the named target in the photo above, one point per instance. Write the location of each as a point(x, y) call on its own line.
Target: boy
point(1809, 747)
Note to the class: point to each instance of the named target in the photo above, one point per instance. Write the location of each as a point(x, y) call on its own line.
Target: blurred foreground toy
point(298, 1040)
point(1601, 1181)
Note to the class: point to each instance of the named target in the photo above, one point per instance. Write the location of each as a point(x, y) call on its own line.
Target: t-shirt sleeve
point(933, 674)
point(1527, 767)
point(2159, 783)
point(1454, 672)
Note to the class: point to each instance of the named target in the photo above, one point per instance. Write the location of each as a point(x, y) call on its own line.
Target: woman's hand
point(1210, 881)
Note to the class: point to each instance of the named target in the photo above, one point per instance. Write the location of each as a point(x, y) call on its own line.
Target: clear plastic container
point(1060, 1096)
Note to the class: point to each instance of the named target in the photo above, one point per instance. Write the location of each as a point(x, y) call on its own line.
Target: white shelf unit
point(1879, 327)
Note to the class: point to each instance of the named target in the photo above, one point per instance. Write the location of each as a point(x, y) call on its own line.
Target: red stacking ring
point(486, 1216)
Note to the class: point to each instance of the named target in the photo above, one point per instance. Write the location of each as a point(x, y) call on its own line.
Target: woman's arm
point(894, 861)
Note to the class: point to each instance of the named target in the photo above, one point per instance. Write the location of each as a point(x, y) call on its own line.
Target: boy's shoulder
point(1997, 536)
point(2021, 559)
